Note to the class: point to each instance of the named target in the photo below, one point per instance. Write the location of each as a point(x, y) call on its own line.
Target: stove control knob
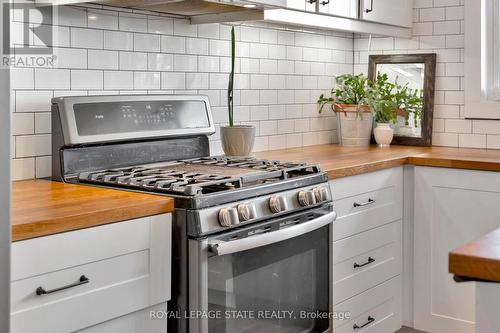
point(321, 194)
point(277, 204)
point(306, 198)
point(228, 217)
point(246, 211)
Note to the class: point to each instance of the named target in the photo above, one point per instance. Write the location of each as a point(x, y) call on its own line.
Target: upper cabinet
point(346, 8)
point(394, 12)
point(305, 5)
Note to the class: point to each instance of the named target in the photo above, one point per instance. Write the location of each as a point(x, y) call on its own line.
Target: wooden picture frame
point(429, 61)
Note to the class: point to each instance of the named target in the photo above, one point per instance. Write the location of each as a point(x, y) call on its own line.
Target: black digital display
point(138, 116)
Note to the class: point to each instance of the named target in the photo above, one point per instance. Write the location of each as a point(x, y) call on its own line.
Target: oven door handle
point(221, 248)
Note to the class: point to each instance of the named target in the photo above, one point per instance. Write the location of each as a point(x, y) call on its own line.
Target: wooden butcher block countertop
point(338, 161)
point(479, 259)
point(42, 207)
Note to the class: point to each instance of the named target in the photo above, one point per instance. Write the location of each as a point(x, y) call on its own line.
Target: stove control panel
point(214, 219)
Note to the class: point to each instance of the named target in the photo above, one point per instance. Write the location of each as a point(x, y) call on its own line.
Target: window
point(482, 59)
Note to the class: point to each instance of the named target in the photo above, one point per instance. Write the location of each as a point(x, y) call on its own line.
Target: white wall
point(5, 227)
point(439, 27)
point(281, 73)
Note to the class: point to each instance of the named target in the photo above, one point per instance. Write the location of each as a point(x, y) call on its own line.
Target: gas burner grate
point(199, 176)
point(162, 180)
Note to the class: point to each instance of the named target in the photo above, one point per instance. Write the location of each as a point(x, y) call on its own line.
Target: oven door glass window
point(278, 288)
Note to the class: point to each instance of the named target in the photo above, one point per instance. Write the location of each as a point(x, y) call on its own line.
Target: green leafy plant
point(380, 99)
point(230, 95)
point(350, 89)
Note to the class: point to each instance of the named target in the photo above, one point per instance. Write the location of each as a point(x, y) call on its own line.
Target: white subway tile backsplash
point(208, 30)
point(132, 22)
point(33, 101)
point(102, 19)
point(163, 25)
point(146, 42)
point(118, 80)
point(43, 123)
point(50, 78)
point(70, 16)
point(185, 63)
point(43, 166)
point(33, 145)
point(197, 81)
point(86, 79)
point(23, 168)
point(173, 44)
point(102, 59)
point(22, 123)
point(71, 58)
point(184, 28)
point(22, 78)
point(147, 80)
point(160, 62)
point(173, 80)
point(87, 38)
point(118, 40)
point(133, 61)
point(197, 46)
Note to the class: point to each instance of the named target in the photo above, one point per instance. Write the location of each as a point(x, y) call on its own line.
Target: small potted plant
point(346, 99)
point(237, 140)
point(380, 99)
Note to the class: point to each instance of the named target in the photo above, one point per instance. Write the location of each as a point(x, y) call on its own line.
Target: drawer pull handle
point(369, 202)
point(370, 320)
point(370, 260)
point(371, 7)
point(324, 3)
point(41, 291)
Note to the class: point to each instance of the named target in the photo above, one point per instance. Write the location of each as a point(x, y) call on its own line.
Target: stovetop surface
point(199, 176)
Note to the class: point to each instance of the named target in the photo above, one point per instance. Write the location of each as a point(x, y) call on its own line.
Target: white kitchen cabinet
point(114, 271)
point(393, 12)
point(452, 207)
point(304, 5)
point(367, 250)
point(346, 8)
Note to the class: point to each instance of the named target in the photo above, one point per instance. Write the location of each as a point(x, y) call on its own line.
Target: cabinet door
point(452, 207)
point(395, 12)
point(304, 5)
point(346, 8)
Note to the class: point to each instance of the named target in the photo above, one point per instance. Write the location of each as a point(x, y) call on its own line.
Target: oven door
point(272, 277)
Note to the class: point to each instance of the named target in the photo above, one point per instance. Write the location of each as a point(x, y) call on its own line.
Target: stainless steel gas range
point(252, 238)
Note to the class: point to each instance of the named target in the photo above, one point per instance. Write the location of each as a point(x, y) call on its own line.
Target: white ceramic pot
point(383, 134)
point(237, 140)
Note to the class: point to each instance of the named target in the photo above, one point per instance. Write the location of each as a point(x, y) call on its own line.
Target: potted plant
point(237, 140)
point(380, 99)
point(346, 99)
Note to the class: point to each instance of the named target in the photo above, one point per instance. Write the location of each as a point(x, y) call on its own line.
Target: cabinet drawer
point(375, 253)
point(140, 321)
point(382, 304)
point(136, 279)
point(366, 211)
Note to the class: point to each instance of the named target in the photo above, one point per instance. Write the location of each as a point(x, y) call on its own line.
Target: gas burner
point(199, 176)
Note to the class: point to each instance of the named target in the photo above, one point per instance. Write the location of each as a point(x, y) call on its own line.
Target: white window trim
point(482, 90)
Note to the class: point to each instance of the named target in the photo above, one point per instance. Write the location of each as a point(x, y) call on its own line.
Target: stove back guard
point(72, 157)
